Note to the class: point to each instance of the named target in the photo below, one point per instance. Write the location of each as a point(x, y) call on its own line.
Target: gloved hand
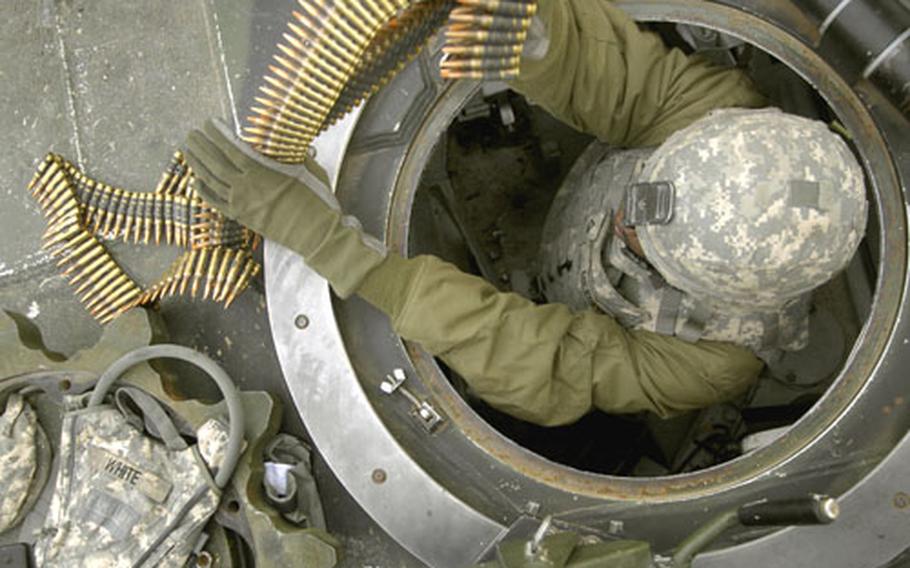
point(290, 205)
point(242, 184)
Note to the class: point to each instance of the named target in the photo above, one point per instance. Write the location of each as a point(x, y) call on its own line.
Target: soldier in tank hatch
point(715, 220)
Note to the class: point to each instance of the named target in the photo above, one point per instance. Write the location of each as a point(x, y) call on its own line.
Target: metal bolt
point(616, 527)
point(379, 476)
point(301, 321)
point(204, 559)
point(901, 500)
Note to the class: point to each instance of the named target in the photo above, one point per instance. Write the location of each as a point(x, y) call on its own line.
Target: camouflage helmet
point(750, 208)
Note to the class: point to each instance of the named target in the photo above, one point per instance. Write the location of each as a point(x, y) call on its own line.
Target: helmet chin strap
point(627, 234)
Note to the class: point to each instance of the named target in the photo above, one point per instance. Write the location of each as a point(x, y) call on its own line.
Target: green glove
point(290, 205)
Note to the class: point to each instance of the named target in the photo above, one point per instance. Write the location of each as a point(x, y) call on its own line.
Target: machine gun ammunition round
point(59, 232)
point(110, 292)
point(250, 269)
point(199, 271)
point(334, 55)
point(222, 273)
point(92, 272)
point(80, 209)
point(497, 64)
point(73, 248)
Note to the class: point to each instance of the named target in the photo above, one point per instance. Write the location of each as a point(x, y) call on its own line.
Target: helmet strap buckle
point(649, 203)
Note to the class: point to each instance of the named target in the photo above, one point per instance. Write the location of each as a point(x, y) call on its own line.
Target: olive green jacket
point(543, 363)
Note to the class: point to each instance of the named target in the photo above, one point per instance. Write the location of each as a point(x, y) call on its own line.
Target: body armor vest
point(585, 265)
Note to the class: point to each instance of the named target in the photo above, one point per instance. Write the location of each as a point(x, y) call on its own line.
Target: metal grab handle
point(214, 371)
point(811, 510)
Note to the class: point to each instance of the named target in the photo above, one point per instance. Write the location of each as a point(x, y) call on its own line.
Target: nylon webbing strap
point(694, 327)
point(154, 417)
point(771, 331)
point(668, 312)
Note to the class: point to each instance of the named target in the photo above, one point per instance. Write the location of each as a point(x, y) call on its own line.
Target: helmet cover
point(768, 206)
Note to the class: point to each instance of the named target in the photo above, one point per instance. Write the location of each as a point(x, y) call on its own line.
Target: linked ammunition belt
point(218, 263)
point(335, 54)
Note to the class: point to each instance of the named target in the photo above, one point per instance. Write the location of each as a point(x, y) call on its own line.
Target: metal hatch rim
point(318, 298)
point(850, 385)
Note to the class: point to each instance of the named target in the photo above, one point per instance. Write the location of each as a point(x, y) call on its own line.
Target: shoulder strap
point(151, 416)
point(693, 328)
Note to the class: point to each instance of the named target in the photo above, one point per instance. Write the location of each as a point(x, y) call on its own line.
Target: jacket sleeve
point(543, 363)
point(602, 75)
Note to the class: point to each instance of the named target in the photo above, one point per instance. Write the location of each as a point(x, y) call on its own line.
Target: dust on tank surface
point(460, 470)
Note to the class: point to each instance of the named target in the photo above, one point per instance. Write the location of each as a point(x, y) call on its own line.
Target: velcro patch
point(804, 193)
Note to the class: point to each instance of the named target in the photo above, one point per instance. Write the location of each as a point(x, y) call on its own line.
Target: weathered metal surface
point(338, 414)
point(866, 39)
point(829, 449)
point(371, 464)
point(864, 360)
point(870, 531)
point(87, 82)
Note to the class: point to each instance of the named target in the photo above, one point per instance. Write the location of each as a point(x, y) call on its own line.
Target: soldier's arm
point(602, 75)
point(540, 363)
point(545, 364)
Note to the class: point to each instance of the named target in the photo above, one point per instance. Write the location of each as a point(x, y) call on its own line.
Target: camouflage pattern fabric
point(18, 458)
point(667, 310)
point(769, 206)
point(577, 234)
point(213, 440)
point(584, 265)
point(543, 364)
point(122, 498)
